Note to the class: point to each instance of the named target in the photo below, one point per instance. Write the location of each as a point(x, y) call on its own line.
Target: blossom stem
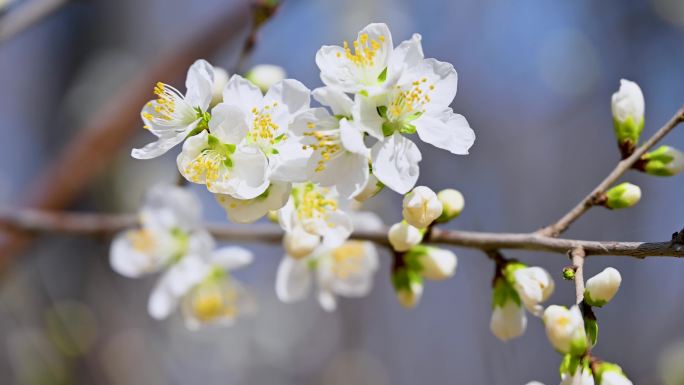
point(622, 167)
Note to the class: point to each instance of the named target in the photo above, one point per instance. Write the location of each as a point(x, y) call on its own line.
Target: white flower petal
point(441, 76)
point(339, 102)
point(395, 162)
point(292, 94)
point(249, 210)
point(327, 300)
point(365, 113)
point(199, 84)
point(228, 123)
point(293, 280)
point(408, 54)
point(338, 230)
point(250, 173)
point(451, 132)
point(289, 165)
point(352, 138)
point(168, 207)
point(242, 93)
point(231, 258)
point(128, 261)
point(161, 302)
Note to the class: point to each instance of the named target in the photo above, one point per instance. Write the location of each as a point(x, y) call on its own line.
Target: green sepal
point(628, 130)
point(593, 302)
point(592, 329)
point(569, 365)
point(363, 93)
point(404, 278)
point(382, 111)
point(510, 269)
point(504, 292)
point(578, 346)
point(413, 256)
point(383, 76)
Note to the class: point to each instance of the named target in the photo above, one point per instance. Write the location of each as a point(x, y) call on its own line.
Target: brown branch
point(26, 15)
point(88, 224)
point(110, 128)
point(622, 167)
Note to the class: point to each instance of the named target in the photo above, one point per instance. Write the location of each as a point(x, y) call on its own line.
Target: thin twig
point(28, 14)
point(90, 224)
point(577, 255)
point(622, 167)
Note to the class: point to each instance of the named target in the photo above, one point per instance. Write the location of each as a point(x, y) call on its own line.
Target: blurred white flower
point(249, 210)
point(602, 287)
point(299, 243)
point(421, 207)
point(372, 188)
point(340, 158)
point(452, 204)
point(435, 263)
point(565, 329)
point(169, 230)
point(265, 76)
point(173, 116)
point(220, 79)
point(534, 285)
point(403, 236)
point(209, 296)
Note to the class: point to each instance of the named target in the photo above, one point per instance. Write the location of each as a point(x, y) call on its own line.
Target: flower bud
point(299, 243)
point(403, 236)
point(610, 374)
point(534, 285)
point(421, 207)
point(408, 285)
point(582, 376)
point(452, 204)
point(664, 161)
point(622, 196)
point(508, 316)
point(565, 329)
point(601, 288)
point(628, 112)
point(432, 262)
point(265, 75)
point(220, 80)
point(569, 273)
point(372, 187)
point(508, 321)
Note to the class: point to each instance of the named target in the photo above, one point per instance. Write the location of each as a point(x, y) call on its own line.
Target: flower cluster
point(195, 274)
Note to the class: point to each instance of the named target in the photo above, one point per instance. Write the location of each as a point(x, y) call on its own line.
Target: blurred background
point(535, 79)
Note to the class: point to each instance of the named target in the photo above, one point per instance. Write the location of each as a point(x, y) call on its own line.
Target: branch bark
point(622, 167)
point(577, 255)
point(30, 221)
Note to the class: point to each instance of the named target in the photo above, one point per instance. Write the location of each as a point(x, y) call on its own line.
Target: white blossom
point(204, 289)
point(372, 188)
point(173, 116)
point(403, 236)
point(565, 329)
point(318, 211)
point(508, 321)
point(340, 157)
point(452, 204)
point(421, 207)
point(628, 102)
point(601, 288)
point(249, 210)
point(169, 219)
point(534, 285)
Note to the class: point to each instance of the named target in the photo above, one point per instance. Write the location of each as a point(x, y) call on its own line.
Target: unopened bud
point(299, 243)
point(565, 329)
point(534, 285)
point(452, 204)
point(622, 196)
point(421, 207)
point(602, 287)
point(628, 112)
point(432, 262)
point(265, 75)
point(508, 315)
point(372, 188)
point(403, 236)
point(569, 273)
point(408, 285)
point(664, 161)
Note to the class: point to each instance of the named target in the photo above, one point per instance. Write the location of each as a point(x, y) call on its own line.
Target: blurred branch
point(90, 224)
point(100, 140)
point(622, 167)
point(262, 11)
point(28, 14)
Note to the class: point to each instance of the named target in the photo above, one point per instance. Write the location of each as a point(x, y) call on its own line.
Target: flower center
point(409, 102)
point(143, 241)
point(170, 107)
point(314, 203)
point(364, 50)
point(264, 131)
point(326, 142)
point(212, 164)
point(348, 259)
point(212, 301)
